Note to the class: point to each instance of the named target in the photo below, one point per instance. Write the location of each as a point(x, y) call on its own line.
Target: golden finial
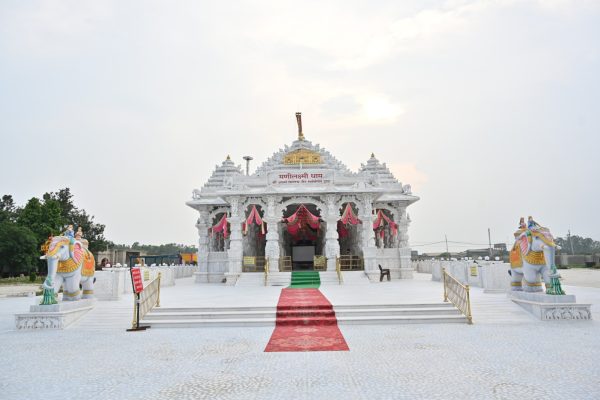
point(299, 121)
point(372, 155)
point(228, 158)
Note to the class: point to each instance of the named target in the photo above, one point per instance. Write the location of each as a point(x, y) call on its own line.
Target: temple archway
point(254, 231)
point(219, 232)
point(350, 231)
point(302, 235)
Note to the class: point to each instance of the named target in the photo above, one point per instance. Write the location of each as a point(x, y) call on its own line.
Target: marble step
point(207, 323)
point(175, 310)
point(360, 312)
point(210, 315)
point(266, 316)
point(403, 319)
point(270, 322)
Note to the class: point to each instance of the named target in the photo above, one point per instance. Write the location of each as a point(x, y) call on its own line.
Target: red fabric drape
point(300, 221)
point(383, 219)
point(348, 216)
point(221, 226)
point(342, 230)
point(255, 218)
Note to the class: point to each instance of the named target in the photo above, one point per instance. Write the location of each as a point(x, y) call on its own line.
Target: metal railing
point(338, 269)
point(351, 263)
point(253, 263)
point(320, 263)
point(285, 264)
point(266, 271)
point(458, 294)
point(144, 301)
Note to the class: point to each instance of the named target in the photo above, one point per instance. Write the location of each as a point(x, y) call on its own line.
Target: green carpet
point(305, 279)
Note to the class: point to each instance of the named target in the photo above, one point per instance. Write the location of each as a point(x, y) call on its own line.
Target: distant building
point(116, 256)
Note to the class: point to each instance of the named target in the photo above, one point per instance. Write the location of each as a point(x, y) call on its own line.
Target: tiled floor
point(506, 354)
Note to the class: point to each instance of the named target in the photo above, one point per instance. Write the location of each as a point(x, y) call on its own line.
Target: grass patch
point(22, 280)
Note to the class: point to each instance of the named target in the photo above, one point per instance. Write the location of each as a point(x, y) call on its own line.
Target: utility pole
point(248, 159)
point(490, 242)
point(571, 243)
point(448, 253)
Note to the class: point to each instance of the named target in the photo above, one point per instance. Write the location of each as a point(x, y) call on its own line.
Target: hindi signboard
point(301, 177)
point(136, 279)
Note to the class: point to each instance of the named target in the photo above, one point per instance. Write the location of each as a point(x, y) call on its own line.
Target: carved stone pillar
point(236, 251)
point(406, 269)
point(202, 225)
point(332, 244)
point(368, 236)
point(272, 246)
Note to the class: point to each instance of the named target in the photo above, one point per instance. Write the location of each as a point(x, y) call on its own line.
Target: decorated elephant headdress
point(78, 255)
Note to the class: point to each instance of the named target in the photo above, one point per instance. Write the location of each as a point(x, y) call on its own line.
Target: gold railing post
point(134, 322)
point(445, 290)
point(469, 315)
point(266, 271)
point(158, 296)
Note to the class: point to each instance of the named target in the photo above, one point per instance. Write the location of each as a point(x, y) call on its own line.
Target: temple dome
point(377, 172)
point(302, 154)
point(222, 174)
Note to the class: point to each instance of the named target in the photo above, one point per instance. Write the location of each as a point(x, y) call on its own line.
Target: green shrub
point(32, 276)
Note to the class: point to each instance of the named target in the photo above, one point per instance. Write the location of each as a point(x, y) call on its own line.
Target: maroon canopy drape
point(383, 219)
point(300, 221)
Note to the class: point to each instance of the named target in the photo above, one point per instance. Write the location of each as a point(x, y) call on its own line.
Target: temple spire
point(299, 121)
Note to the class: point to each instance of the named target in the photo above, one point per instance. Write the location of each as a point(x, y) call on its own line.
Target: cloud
point(362, 109)
point(52, 28)
point(408, 173)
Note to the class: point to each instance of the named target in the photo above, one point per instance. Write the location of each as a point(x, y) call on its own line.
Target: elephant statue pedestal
point(548, 307)
point(54, 316)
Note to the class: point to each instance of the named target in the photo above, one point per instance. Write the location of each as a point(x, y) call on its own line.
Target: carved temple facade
point(244, 219)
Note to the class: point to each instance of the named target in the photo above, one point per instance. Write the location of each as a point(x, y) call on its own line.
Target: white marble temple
point(302, 173)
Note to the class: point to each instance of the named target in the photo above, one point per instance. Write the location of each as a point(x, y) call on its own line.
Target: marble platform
point(54, 316)
point(551, 307)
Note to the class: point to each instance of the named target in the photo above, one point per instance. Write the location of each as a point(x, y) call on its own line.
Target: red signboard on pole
point(136, 278)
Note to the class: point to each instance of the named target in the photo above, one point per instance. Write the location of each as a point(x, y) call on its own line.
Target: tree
point(18, 249)
point(580, 244)
point(42, 218)
point(93, 232)
point(8, 209)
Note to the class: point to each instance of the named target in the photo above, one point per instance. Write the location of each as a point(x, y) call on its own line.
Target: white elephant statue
point(70, 264)
point(533, 256)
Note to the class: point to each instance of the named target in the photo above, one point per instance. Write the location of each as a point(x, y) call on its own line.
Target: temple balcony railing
point(349, 262)
point(285, 264)
point(253, 263)
point(457, 294)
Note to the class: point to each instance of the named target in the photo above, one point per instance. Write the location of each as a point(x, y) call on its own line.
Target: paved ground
point(506, 354)
point(581, 277)
point(18, 290)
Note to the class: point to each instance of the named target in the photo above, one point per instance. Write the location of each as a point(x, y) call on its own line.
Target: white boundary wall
point(112, 283)
point(492, 276)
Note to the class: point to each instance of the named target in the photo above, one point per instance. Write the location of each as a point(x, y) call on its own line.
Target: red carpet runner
point(305, 322)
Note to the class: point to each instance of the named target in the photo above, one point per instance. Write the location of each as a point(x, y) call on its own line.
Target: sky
point(489, 109)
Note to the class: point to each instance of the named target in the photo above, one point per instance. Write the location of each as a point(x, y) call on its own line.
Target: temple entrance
point(254, 231)
point(350, 229)
point(219, 233)
point(302, 237)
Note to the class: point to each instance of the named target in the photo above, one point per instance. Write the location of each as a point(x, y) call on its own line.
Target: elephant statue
point(532, 256)
point(70, 264)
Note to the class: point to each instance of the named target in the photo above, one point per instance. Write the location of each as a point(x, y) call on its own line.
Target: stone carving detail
point(557, 313)
point(39, 322)
point(321, 207)
point(234, 203)
point(271, 206)
point(407, 189)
